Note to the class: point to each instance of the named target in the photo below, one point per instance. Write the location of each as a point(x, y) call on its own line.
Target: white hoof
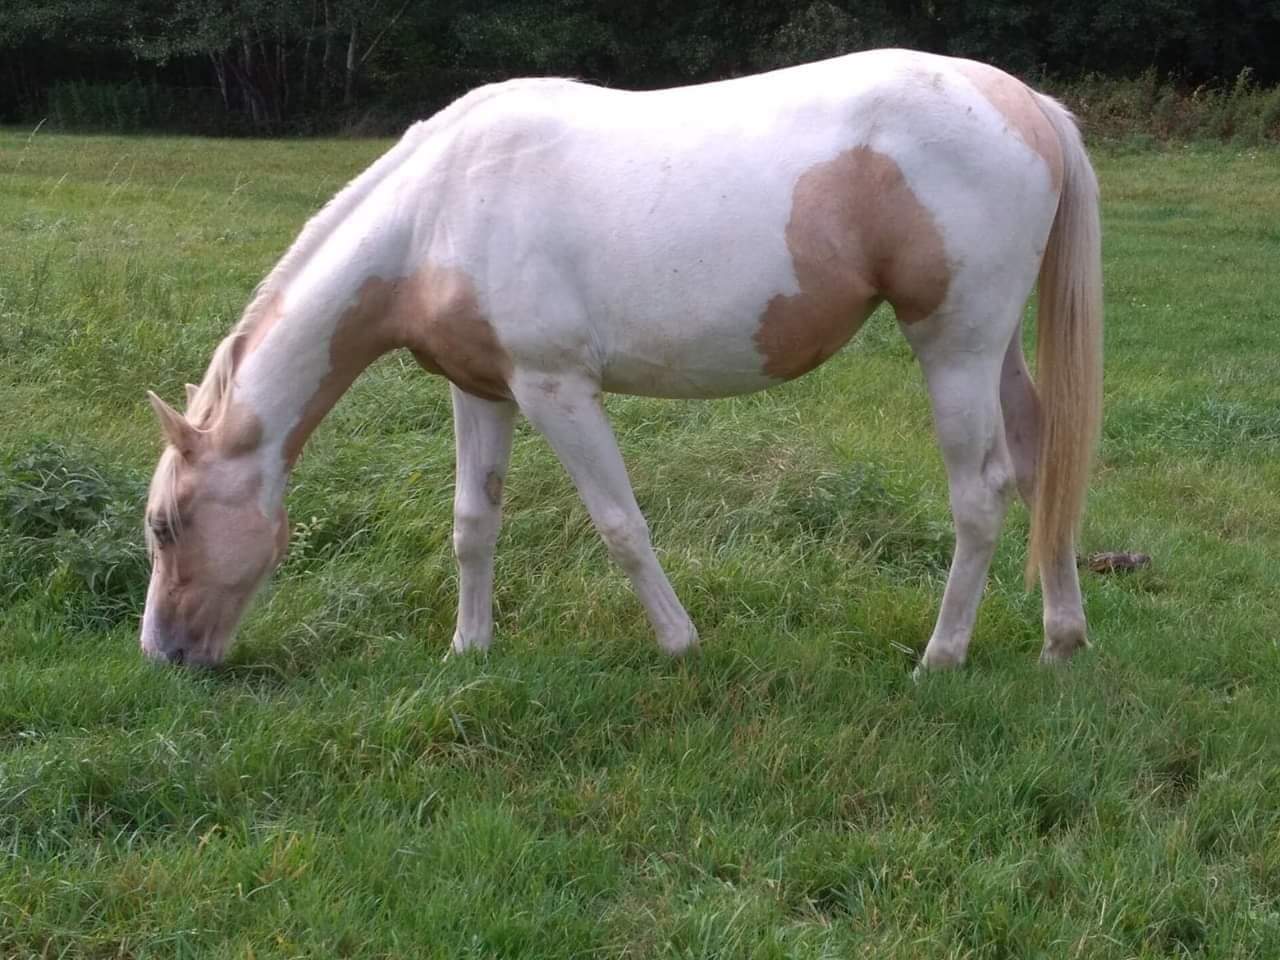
point(679, 642)
point(1063, 639)
point(935, 663)
point(462, 644)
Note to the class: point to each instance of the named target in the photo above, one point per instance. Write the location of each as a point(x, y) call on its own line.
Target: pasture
point(340, 791)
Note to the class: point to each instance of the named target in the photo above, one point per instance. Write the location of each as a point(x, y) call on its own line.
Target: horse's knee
point(625, 535)
point(999, 475)
point(475, 531)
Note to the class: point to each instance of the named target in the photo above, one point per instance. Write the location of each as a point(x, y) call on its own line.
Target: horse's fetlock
point(1064, 635)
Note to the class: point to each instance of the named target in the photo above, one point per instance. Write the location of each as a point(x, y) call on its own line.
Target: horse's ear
point(177, 429)
point(192, 390)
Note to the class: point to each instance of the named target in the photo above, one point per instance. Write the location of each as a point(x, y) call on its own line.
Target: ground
point(339, 790)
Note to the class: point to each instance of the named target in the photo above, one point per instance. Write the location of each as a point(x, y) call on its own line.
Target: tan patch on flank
point(435, 313)
point(857, 235)
point(1021, 113)
point(493, 488)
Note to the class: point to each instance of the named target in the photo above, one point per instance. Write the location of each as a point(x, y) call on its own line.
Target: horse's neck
point(313, 338)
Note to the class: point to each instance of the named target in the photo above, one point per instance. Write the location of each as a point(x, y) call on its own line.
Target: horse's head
point(216, 526)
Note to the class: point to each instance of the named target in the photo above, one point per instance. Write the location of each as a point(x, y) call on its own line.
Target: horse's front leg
point(569, 413)
point(482, 435)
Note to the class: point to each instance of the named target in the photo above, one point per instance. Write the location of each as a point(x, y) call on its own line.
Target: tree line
point(304, 65)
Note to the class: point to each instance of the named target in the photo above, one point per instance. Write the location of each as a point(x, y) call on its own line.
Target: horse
point(542, 241)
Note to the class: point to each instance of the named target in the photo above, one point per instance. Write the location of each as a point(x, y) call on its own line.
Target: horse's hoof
point(1051, 656)
point(926, 667)
point(463, 644)
point(681, 642)
point(1063, 640)
point(936, 659)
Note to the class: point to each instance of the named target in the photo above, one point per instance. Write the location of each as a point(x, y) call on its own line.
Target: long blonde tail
point(1068, 350)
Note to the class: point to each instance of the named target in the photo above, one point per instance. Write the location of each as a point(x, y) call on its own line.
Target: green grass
point(338, 790)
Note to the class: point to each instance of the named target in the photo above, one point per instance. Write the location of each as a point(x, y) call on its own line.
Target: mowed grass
point(339, 790)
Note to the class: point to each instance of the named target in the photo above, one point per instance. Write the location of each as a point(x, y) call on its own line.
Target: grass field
point(339, 791)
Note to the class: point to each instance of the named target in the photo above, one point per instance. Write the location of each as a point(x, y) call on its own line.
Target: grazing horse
point(539, 242)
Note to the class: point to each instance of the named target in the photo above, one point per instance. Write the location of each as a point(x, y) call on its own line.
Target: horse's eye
point(162, 531)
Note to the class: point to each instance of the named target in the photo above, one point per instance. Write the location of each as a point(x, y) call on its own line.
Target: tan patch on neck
point(435, 313)
point(1021, 113)
point(857, 235)
point(360, 337)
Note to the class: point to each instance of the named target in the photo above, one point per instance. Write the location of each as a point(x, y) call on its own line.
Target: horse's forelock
point(164, 498)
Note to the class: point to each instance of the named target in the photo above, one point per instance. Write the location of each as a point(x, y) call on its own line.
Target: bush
point(1156, 107)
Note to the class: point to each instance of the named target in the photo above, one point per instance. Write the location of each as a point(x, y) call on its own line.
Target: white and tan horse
point(542, 241)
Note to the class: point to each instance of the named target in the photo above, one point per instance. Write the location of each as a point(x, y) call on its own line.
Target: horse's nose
point(176, 656)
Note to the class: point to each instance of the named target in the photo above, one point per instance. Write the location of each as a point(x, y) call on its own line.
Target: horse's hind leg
point(1021, 409)
point(963, 381)
point(1065, 630)
point(1064, 621)
point(569, 413)
point(482, 436)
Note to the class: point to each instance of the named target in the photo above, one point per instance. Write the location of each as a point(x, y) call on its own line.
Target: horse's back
point(896, 96)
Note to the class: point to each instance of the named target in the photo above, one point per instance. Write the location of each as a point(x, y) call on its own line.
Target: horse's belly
point(783, 337)
point(686, 365)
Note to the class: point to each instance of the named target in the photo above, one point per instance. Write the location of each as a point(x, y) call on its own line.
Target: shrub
point(1154, 107)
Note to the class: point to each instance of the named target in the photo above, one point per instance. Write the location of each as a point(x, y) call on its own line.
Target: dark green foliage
point(133, 105)
point(45, 492)
point(302, 65)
